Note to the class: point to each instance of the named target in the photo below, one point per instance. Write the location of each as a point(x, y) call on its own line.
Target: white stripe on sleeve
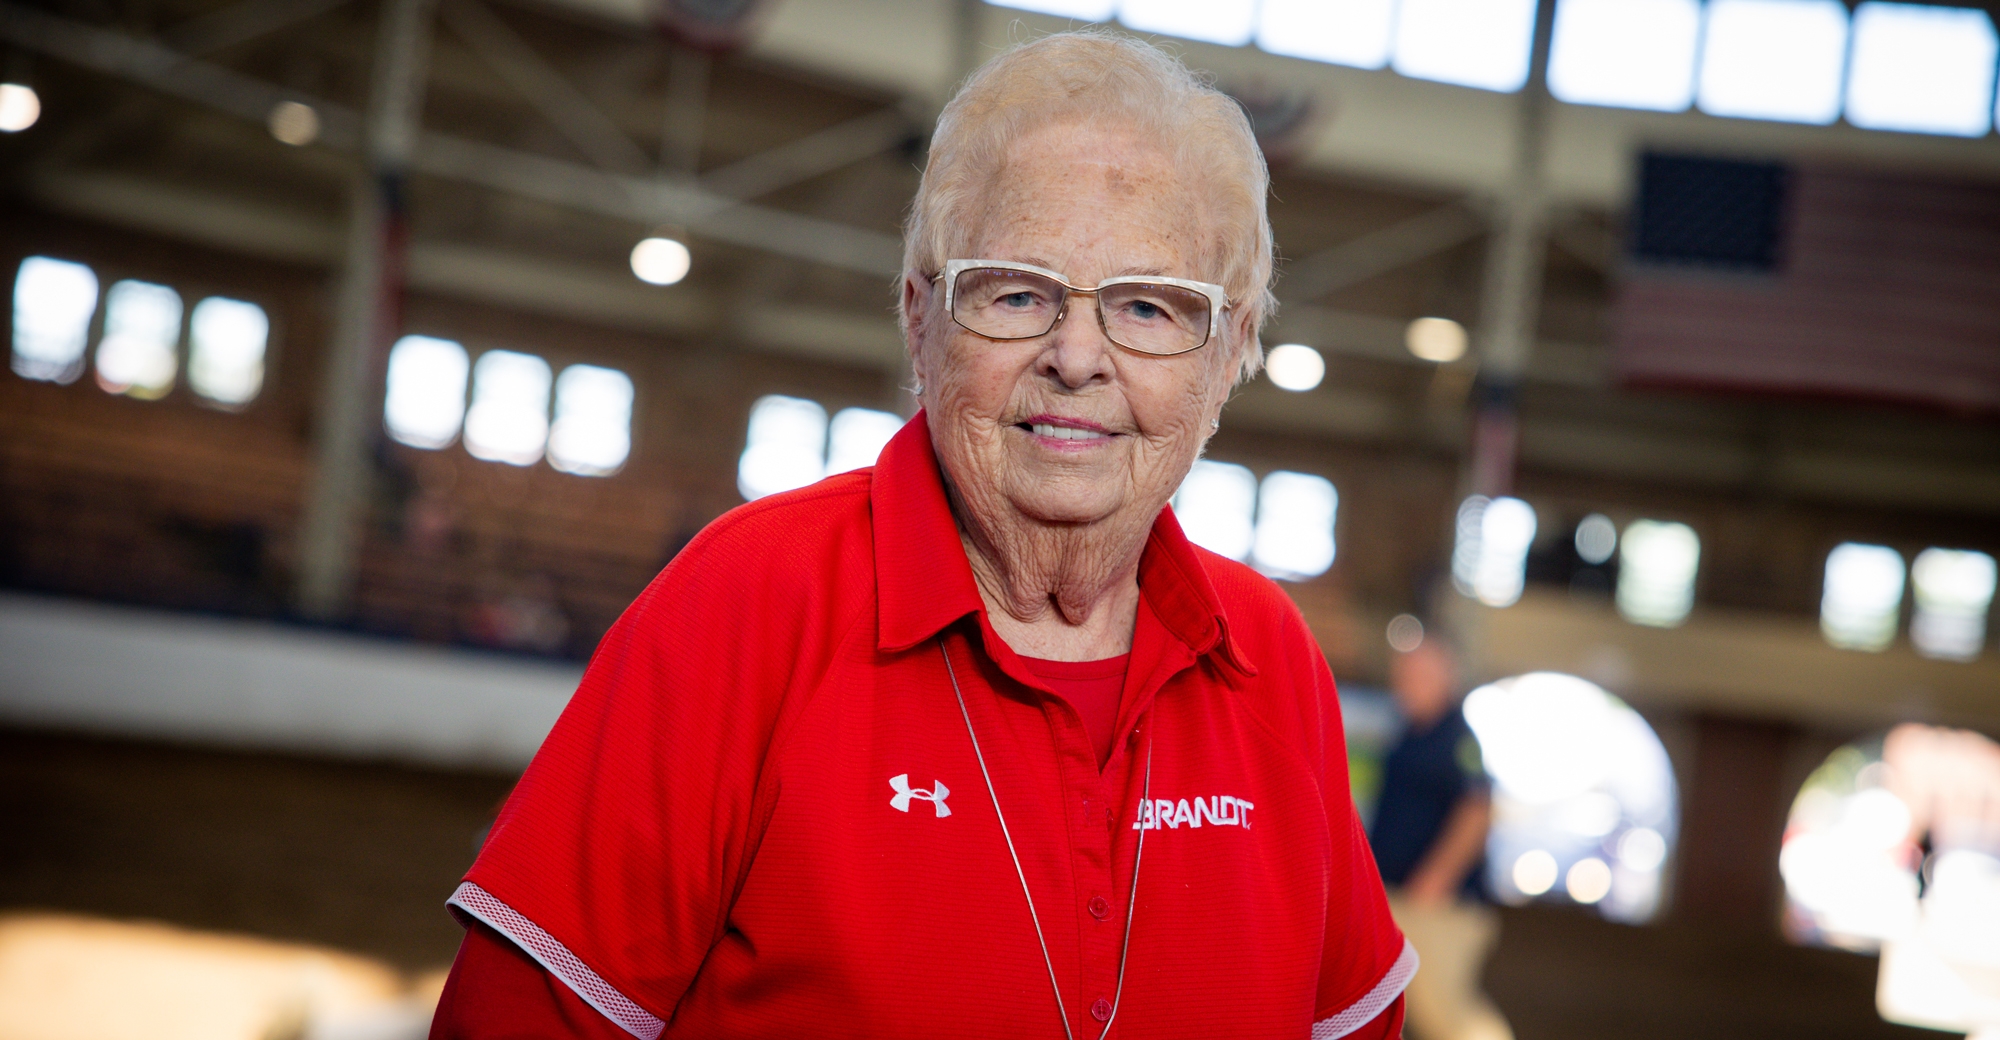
point(560, 962)
point(1363, 1011)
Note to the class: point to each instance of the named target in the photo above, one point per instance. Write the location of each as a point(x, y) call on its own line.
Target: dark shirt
point(1424, 777)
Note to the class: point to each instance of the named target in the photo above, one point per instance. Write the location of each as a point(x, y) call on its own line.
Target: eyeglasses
point(1002, 300)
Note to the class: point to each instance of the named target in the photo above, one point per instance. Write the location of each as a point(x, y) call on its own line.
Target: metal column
point(347, 430)
point(1510, 297)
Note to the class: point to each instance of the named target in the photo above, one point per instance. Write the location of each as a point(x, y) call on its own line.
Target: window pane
point(1863, 596)
point(1082, 10)
point(1489, 561)
point(1473, 43)
point(785, 447)
point(1923, 69)
point(1345, 32)
point(1629, 53)
point(426, 399)
point(1657, 563)
point(53, 304)
point(1774, 59)
point(1585, 805)
point(140, 351)
point(1295, 515)
point(592, 433)
point(1227, 22)
point(858, 436)
point(509, 418)
point(1214, 506)
point(226, 350)
point(1954, 590)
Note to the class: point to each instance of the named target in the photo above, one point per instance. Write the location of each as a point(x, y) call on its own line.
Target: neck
point(1058, 591)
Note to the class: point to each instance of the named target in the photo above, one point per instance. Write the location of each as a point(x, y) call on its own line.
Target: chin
point(1061, 502)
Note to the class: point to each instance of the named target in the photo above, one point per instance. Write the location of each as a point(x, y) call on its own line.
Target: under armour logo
point(904, 792)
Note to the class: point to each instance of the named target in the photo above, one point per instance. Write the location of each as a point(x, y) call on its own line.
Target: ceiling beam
point(642, 199)
point(566, 108)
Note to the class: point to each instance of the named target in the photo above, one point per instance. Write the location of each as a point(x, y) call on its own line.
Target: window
point(1585, 806)
point(140, 351)
point(226, 340)
point(426, 399)
point(1216, 504)
point(791, 443)
point(1628, 53)
point(1774, 59)
point(1344, 32)
point(1954, 590)
point(1657, 562)
point(54, 301)
point(1283, 526)
point(1472, 43)
point(1489, 560)
point(592, 433)
point(1862, 597)
point(1922, 69)
point(857, 436)
point(786, 447)
point(509, 418)
point(1295, 515)
point(1227, 22)
point(1081, 10)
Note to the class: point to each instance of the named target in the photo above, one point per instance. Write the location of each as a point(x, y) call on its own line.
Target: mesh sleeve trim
point(1363, 1011)
point(560, 962)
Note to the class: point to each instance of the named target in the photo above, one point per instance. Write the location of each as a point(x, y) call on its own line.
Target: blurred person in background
point(1429, 836)
point(975, 743)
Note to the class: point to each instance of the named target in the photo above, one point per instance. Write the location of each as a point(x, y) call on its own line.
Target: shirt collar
point(924, 583)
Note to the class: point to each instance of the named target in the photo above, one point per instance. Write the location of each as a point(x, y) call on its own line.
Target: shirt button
point(1101, 1010)
point(1099, 906)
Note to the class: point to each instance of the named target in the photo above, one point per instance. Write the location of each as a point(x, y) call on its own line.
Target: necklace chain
point(1132, 899)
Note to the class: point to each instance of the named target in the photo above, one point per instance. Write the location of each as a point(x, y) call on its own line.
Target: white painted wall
point(251, 684)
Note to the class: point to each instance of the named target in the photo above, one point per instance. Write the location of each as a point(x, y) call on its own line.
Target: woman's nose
point(1078, 353)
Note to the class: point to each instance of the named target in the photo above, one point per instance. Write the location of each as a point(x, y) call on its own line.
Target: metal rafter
point(538, 83)
point(1379, 252)
point(644, 200)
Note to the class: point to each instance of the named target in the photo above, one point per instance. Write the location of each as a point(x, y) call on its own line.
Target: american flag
point(1878, 286)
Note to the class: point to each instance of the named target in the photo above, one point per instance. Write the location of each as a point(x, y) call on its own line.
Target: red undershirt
point(1093, 688)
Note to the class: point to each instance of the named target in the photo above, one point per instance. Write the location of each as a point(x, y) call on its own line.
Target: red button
point(1101, 1010)
point(1099, 906)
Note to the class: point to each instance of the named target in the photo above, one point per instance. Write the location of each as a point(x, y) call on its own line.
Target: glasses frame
point(1218, 299)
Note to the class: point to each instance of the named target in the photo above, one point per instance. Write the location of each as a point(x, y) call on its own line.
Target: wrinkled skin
point(1053, 527)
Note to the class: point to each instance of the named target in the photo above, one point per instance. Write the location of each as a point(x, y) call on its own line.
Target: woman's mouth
point(1064, 430)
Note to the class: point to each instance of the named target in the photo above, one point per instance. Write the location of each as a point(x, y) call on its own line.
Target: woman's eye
point(1145, 310)
point(1019, 299)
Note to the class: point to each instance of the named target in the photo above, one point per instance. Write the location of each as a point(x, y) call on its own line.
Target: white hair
point(1097, 75)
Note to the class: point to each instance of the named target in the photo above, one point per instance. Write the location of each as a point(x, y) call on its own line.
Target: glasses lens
point(1002, 304)
point(1156, 319)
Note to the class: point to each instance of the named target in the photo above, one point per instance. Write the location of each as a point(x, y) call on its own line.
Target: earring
point(1214, 425)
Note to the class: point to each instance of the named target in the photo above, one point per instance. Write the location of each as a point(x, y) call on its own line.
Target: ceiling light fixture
point(661, 261)
point(20, 106)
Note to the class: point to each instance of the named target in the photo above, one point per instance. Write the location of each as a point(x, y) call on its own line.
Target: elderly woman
point(974, 744)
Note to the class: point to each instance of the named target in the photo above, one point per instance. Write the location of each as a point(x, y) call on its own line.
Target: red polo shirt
point(762, 813)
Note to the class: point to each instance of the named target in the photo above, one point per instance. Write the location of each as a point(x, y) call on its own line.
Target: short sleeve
point(616, 859)
point(1365, 962)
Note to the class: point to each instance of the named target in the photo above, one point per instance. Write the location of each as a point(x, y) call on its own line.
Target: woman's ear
point(916, 308)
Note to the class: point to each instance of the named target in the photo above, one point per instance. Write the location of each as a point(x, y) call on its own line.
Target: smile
point(1063, 430)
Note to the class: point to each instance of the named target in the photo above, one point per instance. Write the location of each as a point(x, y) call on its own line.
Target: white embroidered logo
point(1219, 811)
point(904, 792)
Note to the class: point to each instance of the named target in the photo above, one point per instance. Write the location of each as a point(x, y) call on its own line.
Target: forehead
point(1072, 193)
